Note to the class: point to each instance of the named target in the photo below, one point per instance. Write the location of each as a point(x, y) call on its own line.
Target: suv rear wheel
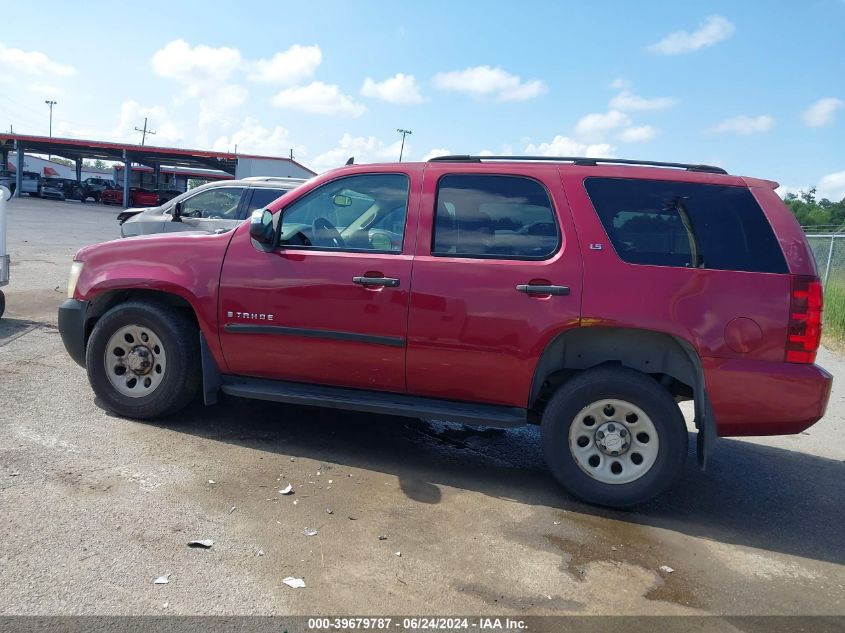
point(614, 436)
point(142, 360)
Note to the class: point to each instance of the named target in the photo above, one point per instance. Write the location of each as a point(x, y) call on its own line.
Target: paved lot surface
point(94, 507)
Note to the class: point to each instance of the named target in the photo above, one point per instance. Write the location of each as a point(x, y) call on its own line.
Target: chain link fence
point(829, 250)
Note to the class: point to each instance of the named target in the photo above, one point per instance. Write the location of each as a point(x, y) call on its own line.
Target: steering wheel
point(324, 233)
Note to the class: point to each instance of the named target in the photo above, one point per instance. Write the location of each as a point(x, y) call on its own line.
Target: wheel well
point(108, 300)
point(671, 361)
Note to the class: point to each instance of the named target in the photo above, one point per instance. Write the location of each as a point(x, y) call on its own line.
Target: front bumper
point(752, 397)
point(72, 317)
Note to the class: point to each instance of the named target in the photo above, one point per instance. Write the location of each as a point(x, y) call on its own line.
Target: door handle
point(389, 282)
point(531, 289)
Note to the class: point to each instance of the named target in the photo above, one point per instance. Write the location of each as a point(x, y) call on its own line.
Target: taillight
point(805, 320)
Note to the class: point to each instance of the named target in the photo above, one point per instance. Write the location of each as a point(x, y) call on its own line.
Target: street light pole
point(51, 104)
point(404, 133)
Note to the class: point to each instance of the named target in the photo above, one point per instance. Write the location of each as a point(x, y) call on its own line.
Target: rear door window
point(492, 216)
point(261, 197)
point(690, 225)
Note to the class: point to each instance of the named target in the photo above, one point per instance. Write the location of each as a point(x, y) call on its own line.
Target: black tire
point(616, 383)
point(2, 303)
point(182, 374)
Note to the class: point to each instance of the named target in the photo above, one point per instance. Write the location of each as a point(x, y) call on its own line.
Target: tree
point(811, 212)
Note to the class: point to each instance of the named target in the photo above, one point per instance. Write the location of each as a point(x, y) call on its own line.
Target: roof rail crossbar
point(578, 160)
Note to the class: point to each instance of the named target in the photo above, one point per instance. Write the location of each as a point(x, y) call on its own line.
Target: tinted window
point(505, 217)
point(262, 197)
point(685, 224)
point(364, 212)
point(216, 203)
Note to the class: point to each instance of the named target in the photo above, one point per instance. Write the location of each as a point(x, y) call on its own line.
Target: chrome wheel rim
point(613, 441)
point(135, 361)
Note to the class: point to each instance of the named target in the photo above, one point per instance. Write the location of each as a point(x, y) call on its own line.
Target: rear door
point(260, 198)
point(497, 275)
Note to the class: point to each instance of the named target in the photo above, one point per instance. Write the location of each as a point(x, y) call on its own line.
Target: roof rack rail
point(578, 160)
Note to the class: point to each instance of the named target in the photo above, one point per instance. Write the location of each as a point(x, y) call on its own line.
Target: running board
point(374, 402)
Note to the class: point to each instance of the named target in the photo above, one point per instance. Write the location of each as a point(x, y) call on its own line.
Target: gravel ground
point(93, 507)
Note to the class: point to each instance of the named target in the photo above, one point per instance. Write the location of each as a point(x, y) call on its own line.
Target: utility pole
point(404, 133)
point(51, 103)
point(144, 131)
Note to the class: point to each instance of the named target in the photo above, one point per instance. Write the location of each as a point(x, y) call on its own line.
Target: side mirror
point(261, 229)
point(177, 212)
point(342, 201)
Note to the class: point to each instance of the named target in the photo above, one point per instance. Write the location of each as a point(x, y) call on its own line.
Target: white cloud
point(45, 90)
point(132, 114)
point(199, 68)
point(400, 89)
point(363, 149)
point(783, 190)
point(31, 63)
point(822, 112)
point(832, 187)
point(619, 84)
point(628, 102)
point(287, 67)
point(714, 29)
point(254, 138)
point(564, 146)
point(484, 81)
point(440, 151)
point(319, 98)
point(638, 134)
point(745, 125)
point(594, 126)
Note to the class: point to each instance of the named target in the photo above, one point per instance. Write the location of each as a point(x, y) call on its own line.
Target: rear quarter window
point(689, 225)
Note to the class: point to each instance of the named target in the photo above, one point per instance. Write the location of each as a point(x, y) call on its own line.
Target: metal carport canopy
point(77, 149)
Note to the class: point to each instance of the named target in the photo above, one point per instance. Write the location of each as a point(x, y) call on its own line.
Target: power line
point(144, 131)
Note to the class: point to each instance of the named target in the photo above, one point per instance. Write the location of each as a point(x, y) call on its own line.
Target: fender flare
point(647, 351)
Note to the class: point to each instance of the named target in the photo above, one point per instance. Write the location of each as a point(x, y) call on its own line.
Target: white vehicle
point(217, 206)
point(31, 183)
point(7, 179)
point(5, 196)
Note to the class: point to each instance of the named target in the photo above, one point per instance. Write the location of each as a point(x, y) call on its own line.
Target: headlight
point(75, 271)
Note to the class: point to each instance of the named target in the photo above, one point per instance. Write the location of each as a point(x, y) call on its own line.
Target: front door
point(497, 275)
point(210, 209)
point(330, 305)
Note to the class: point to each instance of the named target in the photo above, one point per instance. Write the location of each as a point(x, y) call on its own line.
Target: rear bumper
point(751, 397)
point(72, 316)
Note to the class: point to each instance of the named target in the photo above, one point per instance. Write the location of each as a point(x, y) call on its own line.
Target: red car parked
point(138, 197)
point(588, 296)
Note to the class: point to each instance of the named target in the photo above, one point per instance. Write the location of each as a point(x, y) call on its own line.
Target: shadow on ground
point(752, 495)
point(10, 328)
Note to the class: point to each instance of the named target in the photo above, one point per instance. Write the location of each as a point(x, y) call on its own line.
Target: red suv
point(588, 296)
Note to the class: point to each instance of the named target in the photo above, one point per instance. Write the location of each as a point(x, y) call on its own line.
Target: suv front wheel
point(614, 436)
point(142, 360)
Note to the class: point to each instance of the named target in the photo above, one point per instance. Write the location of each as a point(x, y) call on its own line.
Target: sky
point(755, 87)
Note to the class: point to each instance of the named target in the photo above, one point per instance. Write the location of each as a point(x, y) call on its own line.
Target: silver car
point(217, 206)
